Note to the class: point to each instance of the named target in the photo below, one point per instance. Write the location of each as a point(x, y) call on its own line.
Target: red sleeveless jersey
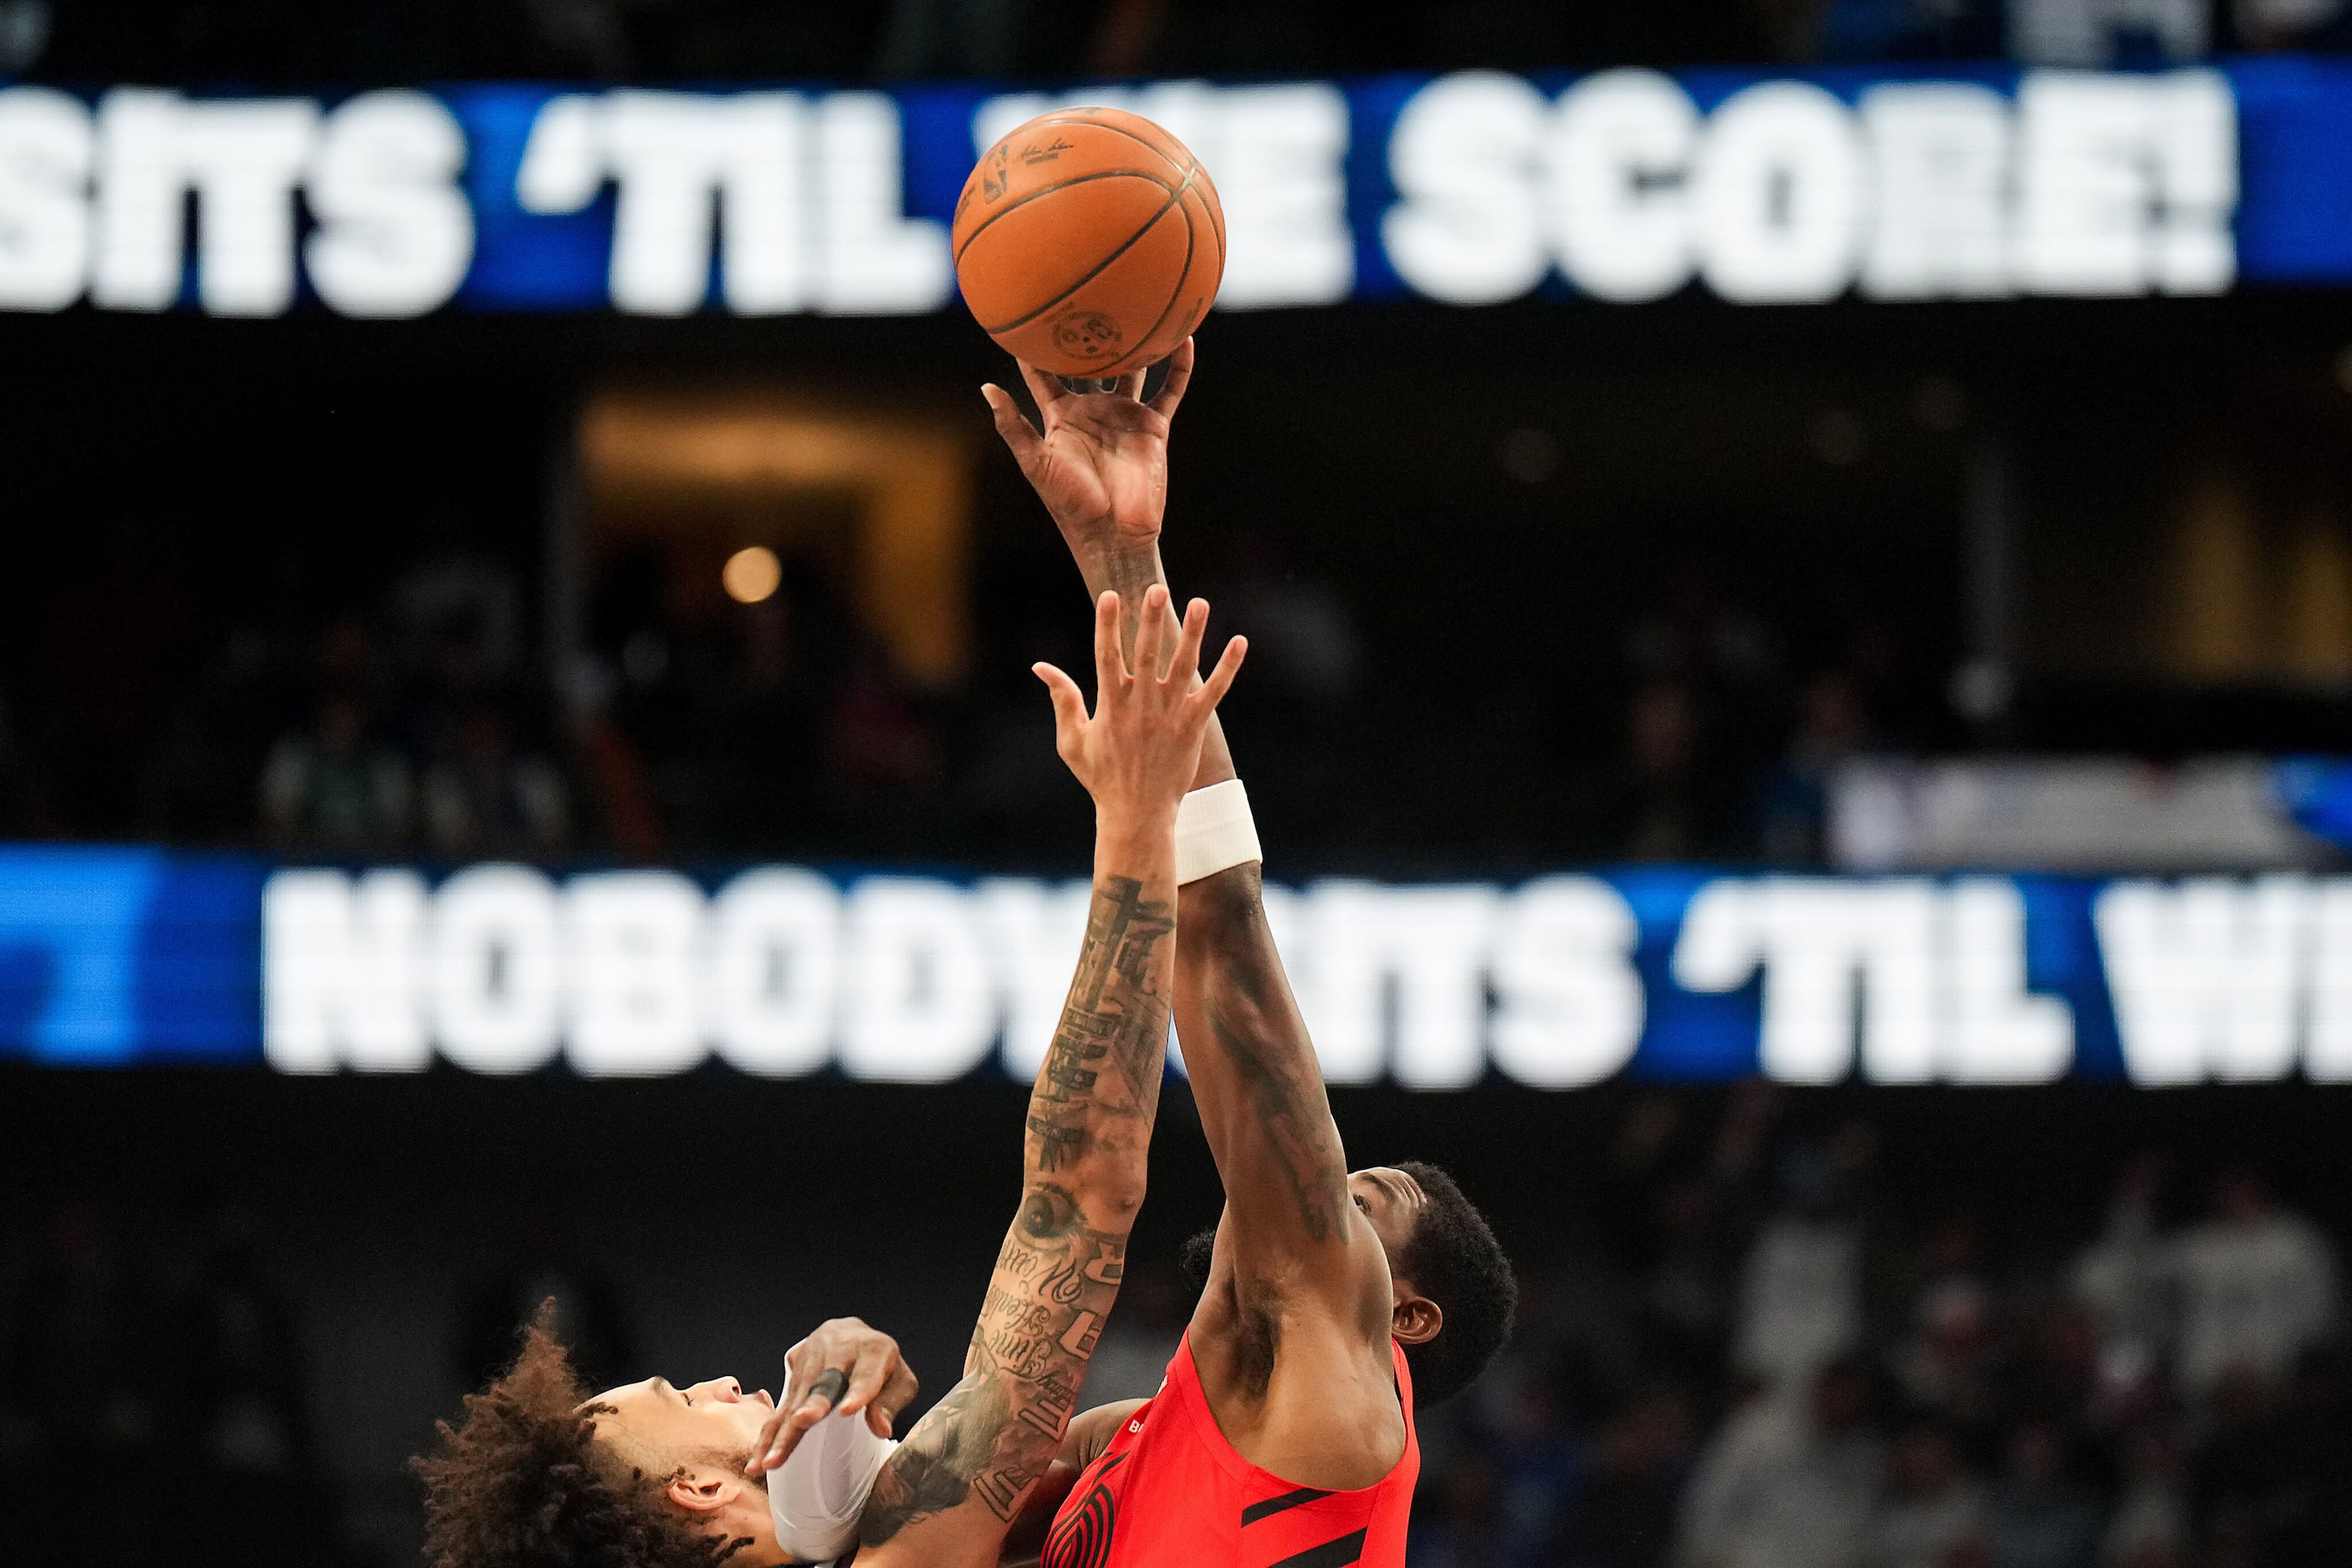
point(1169, 1492)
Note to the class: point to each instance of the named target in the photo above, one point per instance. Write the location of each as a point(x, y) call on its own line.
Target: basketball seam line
point(1076, 117)
point(1174, 196)
point(1192, 243)
point(1059, 186)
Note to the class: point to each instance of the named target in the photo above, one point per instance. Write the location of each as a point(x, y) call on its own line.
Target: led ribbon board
point(121, 957)
point(1474, 188)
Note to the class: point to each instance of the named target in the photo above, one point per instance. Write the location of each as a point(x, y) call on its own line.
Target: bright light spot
point(752, 575)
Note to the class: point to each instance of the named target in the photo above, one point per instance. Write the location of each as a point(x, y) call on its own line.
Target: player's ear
point(1415, 1318)
point(703, 1491)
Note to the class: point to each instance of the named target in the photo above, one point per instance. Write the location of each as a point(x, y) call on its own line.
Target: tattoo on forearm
point(996, 1432)
point(1280, 1082)
point(1116, 1011)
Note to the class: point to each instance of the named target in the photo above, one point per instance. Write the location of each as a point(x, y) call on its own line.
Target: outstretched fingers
point(1221, 680)
point(1048, 390)
point(1187, 662)
point(1151, 636)
point(1110, 660)
point(1012, 425)
point(1069, 705)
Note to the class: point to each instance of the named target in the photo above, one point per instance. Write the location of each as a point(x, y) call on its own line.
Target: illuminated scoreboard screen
point(113, 958)
point(1472, 188)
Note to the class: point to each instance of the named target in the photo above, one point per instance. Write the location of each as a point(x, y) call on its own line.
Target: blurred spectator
point(1789, 30)
point(969, 38)
point(2150, 1526)
point(1788, 1482)
point(1793, 803)
point(1934, 1516)
point(456, 678)
point(2257, 1288)
point(1626, 1518)
point(87, 1375)
point(2108, 32)
point(1541, 1462)
point(878, 739)
point(480, 797)
point(1947, 1362)
point(1910, 30)
point(454, 580)
point(335, 788)
point(1801, 1288)
point(1660, 810)
point(1459, 1531)
point(2123, 1278)
point(1686, 1293)
point(2290, 24)
point(250, 1475)
point(2039, 1517)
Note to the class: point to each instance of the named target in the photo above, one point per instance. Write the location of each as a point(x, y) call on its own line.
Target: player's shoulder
point(1092, 1431)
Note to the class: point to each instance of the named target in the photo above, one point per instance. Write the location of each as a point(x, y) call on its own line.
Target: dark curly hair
point(1456, 1261)
point(521, 1482)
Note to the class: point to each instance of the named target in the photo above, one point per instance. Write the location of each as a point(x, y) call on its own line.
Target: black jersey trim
point(1273, 1505)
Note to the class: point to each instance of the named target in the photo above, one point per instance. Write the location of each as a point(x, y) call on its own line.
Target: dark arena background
point(1799, 557)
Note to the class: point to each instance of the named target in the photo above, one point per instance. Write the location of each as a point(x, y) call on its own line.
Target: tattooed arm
point(1292, 1334)
point(1099, 464)
point(949, 1494)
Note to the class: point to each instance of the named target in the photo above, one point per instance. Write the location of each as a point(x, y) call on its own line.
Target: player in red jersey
point(542, 1475)
point(1283, 1436)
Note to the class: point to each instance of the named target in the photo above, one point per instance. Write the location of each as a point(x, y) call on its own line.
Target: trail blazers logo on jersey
point(1081, 1537)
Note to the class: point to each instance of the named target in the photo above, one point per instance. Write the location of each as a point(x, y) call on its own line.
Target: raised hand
point(844, 1366)
point(1100, 462)
point(1137, 752)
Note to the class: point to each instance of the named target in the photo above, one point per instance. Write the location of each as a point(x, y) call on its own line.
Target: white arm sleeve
point(816, 1496)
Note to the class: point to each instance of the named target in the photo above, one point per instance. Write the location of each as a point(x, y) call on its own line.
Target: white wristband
point(1214, 832)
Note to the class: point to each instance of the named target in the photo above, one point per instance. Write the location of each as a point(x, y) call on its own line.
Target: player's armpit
point(1288, 1217)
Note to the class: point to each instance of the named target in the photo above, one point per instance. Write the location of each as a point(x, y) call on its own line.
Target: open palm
point(1100, 462)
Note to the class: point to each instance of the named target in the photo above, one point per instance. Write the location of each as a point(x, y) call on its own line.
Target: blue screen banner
point(1474, 188)
point(122, 957)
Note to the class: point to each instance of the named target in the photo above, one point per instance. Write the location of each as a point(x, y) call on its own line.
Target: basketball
point(1089, 242)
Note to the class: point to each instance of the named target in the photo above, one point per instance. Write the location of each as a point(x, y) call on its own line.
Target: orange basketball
point(1089, 242)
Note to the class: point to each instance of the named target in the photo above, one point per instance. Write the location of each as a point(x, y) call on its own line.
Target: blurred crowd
point(1754, 1361)
point(376, 40)
point(1742, 1344)
point(153, 1397)
point(411, 724)
point(420, 715)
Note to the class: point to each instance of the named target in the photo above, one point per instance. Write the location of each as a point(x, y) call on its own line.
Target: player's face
point(1392, 1202)
point(714, 1415)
